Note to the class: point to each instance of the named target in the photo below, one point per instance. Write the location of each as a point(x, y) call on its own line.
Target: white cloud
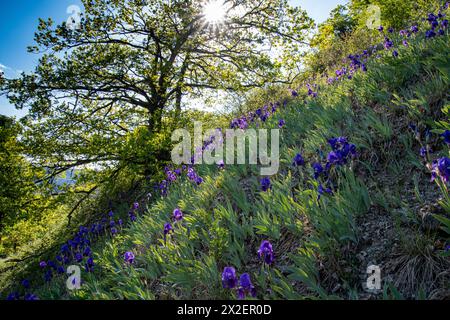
point(3, 67)
point(8, 71)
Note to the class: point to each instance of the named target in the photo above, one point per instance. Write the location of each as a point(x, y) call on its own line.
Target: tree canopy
point(130, 63)
point(394, 13)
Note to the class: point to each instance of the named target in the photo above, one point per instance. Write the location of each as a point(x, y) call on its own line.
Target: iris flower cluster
point(244, 286)
point(132, 214)
point(357, 62)
point(77, 250)
point(172, 174)
point(438, 24)
point(260, 115)
point(27, 296)
point(440, 168)
point(341, 154)
point(194, 177)
point(177, 216)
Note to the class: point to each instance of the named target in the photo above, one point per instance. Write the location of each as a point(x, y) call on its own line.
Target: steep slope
point(339, 207)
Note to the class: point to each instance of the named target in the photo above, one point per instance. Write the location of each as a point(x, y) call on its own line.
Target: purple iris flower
point(167, 230)
point(13, 296)
point(191, 174)
point(265, 252)
point(318, 170)
point(264, 117)
point(446, 136)
point(423, 152)
point(199, 180)
point(61, 270)
point(78, 257)
point(281, 123)
point(89, 266)
point(431, 17)
point(129, 257)
point(434, 24)
point(42, 264)
point(177, 214)
point(64, 248)
point(87, 252)
point(430, 34)
point(348, 150)
point(48, 276)
point(265, 184)
point(321, 190)
point(26, 283)
point(388, 44)
point(298, 160)
point(441, 168)
point(246, 287)
point(334, 157)
point(171, 176)
point(31, 297)
point(229, 278)
point(337, 143)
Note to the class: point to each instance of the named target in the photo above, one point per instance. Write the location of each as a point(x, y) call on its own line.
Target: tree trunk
point(179, 96)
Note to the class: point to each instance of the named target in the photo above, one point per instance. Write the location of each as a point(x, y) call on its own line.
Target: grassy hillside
point(373, 204)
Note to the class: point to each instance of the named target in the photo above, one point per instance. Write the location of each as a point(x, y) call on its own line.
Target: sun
point(214, 11)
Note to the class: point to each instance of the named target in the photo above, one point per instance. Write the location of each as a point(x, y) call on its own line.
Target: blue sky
point(19, 20)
